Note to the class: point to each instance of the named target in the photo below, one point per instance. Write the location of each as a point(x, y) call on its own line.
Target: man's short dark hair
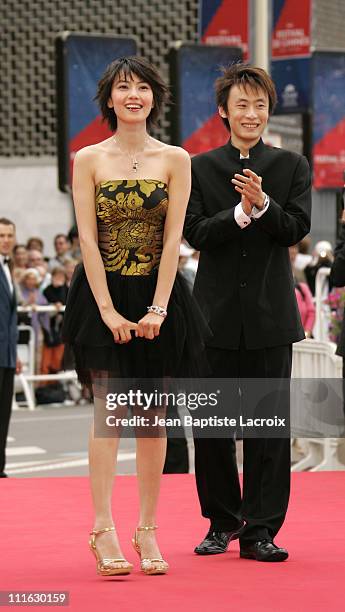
point(5, 221)
point(246, 76)
point(126, 67)
point(60, 236)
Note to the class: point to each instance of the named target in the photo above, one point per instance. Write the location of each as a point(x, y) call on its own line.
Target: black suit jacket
point(244, 279)
point(8, 324)
point(337, 279)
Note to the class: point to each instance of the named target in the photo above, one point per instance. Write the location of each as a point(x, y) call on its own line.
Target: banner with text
point(195, 122)
point(329, 120)
point(290, 53)
point(225, 22)
point(81, 60)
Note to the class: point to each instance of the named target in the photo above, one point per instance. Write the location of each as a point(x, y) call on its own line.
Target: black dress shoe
point(3, 475)
point(264, 550)
point(217, 542)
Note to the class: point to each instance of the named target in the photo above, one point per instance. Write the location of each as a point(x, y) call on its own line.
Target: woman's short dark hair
point(126, 67)
point(246, 76)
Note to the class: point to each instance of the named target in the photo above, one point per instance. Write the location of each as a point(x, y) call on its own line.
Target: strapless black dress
point(130, 220)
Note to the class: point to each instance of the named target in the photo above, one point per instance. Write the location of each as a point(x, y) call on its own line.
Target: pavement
point(53, 441)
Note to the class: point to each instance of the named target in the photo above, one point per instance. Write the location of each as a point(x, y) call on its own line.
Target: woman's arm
point(85, 210)
point(179, 191)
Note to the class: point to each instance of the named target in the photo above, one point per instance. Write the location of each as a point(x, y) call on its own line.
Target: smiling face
point(7, 238)
point(247, 112)
point(131, 98)
point(30, 281)
point(20, 257)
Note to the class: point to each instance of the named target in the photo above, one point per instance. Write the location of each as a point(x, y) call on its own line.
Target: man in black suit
point(8, 334)
point(249, 203)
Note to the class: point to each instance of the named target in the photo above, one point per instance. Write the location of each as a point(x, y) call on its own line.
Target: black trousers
point(177, 459)
point(6, 395)
point(266, 466)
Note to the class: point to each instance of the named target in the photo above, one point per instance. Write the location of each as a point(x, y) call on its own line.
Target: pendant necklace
point(132, 156)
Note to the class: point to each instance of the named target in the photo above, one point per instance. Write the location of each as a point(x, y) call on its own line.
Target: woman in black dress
point(129, 314)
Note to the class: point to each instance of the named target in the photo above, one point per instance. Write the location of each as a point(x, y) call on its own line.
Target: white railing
point(26, 352)
point(322, 315)
point(38, 308)
point(313, 359)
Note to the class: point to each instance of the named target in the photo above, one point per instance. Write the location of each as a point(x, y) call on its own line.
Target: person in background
point(9, 363)
point(37, 261)
point(73, 237)
point(298, 273)
point(62, 253)
point(322, 258)
point(304, 297)
point(337, 279)
point(53, 348)
point(186, 253)
point(35, 243)
point(69, 268)
point(303, 257)
point(20, 261)
point(31, 295)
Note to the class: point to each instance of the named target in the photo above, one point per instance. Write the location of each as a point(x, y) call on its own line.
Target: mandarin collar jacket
point(244, 280)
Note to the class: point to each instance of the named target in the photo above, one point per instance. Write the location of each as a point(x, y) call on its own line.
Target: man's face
point(247, 112)
point(61, 245)
point(35, 258)
point(7, 239)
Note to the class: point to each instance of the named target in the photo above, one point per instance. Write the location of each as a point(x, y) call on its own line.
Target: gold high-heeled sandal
point(148, 566)
point(104, 564)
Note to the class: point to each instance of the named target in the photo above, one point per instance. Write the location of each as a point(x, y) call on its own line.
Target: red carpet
point(44, 532)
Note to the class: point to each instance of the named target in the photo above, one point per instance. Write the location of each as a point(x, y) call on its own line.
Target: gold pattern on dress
point(130, 227)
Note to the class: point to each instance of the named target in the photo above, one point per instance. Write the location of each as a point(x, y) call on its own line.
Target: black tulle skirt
point(177, 352)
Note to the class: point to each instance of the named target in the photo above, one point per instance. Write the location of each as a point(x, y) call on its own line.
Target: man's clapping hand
point(248, 185)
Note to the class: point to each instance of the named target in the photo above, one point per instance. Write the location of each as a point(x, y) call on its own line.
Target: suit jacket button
point(243, 284)
point(244, 253)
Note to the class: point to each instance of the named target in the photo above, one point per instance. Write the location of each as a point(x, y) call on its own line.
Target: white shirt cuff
point(257, 212)
point(240, 217)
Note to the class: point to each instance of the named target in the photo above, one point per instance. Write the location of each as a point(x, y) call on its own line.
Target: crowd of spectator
point(39, 281)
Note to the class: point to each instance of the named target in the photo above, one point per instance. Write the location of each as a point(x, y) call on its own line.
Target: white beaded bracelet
point(157, 310)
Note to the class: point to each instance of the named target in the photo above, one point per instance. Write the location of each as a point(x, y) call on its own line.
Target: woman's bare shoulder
point(178, 153)
point(91, 152)
point(172, 150)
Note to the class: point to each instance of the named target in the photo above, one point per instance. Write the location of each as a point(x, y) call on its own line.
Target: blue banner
point(199, 125)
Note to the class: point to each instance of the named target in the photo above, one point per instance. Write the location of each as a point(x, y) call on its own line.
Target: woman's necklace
point(132, 156)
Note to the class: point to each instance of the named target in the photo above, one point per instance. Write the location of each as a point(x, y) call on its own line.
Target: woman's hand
point(149, 326)
point(119, 326)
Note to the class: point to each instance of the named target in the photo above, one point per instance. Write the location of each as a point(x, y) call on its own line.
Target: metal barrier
point(25, 380)
point(322, 315)
point(313, 359)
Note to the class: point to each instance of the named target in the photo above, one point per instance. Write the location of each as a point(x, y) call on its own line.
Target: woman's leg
point(102, 467)
point(150, 462)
